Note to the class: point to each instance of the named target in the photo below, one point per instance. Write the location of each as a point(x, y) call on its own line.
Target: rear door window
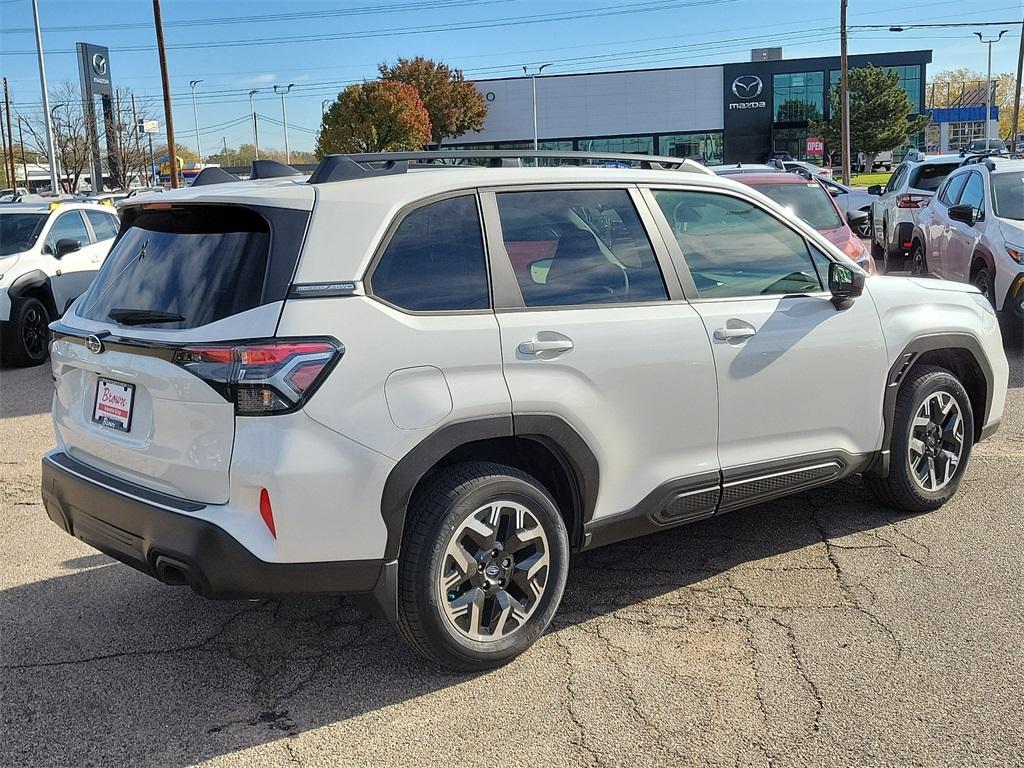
point(435, 260)
point(570, 247)
point(197, 263)
point(103, 224)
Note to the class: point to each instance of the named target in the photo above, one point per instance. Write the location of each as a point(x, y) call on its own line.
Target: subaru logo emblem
point(492, 570)
point(94, 344)
point(747, 87)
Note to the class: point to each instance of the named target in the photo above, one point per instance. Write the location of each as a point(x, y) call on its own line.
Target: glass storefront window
point(706, 148)
point(910, 80)
point(799, 96)
point(643, 145)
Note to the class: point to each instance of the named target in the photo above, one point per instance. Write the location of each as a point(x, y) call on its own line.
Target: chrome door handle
point(552, 345)
point(731, 334)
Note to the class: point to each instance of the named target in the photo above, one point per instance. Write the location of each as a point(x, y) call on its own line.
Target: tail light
point(912, 201)
point(263, 378)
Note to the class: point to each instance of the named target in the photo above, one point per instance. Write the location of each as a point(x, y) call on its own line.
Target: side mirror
point(844, 282)
point(964, 213)
point(66, 245)
point(875, 189)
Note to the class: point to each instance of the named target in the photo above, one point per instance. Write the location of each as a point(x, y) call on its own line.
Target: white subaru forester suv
point(431, 385)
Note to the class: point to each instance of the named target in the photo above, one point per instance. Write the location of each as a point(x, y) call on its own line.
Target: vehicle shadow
point(25, 391)
point(106, 666)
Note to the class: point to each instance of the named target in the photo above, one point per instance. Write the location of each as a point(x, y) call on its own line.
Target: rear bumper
point(155, 534)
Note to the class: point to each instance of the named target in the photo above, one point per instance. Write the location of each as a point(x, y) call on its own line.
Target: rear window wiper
point(143, 316)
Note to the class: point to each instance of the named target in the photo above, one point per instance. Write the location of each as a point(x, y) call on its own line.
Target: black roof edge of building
point(921, 56)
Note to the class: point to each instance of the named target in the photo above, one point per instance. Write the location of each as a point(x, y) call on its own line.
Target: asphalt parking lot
point(815, 631)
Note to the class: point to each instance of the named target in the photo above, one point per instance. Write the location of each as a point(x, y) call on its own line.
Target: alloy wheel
point(34, 332)
point(917, 266)
point(936, 441)
point(495, 571)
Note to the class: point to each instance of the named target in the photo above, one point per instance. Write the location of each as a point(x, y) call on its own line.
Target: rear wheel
point(918, 260)
point(483, 566)
point(26, 335)
point(932, 437)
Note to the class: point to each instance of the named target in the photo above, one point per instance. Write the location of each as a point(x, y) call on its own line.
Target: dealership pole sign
point(94, 76)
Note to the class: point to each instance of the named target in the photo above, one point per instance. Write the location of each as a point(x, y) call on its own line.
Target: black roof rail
point(363, 165)
point(271, 169)
point(212, 175)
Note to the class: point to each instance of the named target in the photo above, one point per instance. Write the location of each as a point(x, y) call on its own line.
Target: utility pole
point(50, 148)
point(11, 168)
point(284, 117)
point(195, 114)
point(3, 143)
point(844, 95)
point(533, 79)
point(255, 127)
point(1016, 98)
point(135, 133)
point(988, 85)
point(24, 163)
point(165, 82)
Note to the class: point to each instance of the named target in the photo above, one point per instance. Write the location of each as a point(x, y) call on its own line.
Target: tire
point(437, 598)
point(902, 489)
point(918, 260)
point(1009, 324)
point(25, 340)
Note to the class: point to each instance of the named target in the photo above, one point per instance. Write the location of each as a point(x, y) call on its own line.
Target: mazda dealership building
point(725, 113)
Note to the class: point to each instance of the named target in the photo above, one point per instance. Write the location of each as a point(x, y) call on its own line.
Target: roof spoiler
point(271, 169)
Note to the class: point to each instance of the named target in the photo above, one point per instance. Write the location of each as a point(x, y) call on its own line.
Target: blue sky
point(224, 43)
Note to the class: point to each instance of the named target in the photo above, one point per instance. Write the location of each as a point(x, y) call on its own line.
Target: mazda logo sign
point(99, 64)
point(747, 87)
point(94, 344)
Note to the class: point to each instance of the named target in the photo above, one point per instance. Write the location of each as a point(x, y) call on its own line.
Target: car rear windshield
point(928, 177)
point(1008, 195)
point(808, 201)
point(182, 268)
point(19, 231)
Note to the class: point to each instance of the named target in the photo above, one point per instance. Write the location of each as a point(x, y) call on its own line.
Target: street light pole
point(323, 108)
point(284, 117)
point(46, 100)
point(533, 79)
point(988, 85)
point(195, 115)
point(255, 127)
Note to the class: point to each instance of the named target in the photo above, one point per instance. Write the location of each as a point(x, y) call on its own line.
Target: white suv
point(432, 385)
point(973, 231)
point(49, 253)
point(894, 211)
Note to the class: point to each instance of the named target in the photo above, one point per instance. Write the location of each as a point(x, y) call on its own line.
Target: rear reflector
point(266, 512)
point(263, 378)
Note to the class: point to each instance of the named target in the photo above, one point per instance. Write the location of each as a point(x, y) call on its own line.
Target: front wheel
point(932, 437)
point(483, 566)
point(26, 335)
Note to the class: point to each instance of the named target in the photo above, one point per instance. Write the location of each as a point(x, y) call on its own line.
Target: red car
point(810, 201)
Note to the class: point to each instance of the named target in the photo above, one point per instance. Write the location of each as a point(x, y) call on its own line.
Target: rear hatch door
point(179, 275)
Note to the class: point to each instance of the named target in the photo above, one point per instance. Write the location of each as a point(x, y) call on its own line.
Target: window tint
point(736, 249)
point(579, 247)
point(896, 179)
point(928, 177)
point(69, 226)
point(974, 195)
point(807, 200)
point(19, 231)
point(103, 224)
point(951, 190)
point(203, 263)
point(435, 260)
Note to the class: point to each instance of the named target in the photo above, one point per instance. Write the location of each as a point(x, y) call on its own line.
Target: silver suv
point(894, 212)
point(431, 385)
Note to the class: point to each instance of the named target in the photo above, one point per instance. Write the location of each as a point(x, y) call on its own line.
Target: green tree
point(880, 113)
point(378, 116)
point(454, 105)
